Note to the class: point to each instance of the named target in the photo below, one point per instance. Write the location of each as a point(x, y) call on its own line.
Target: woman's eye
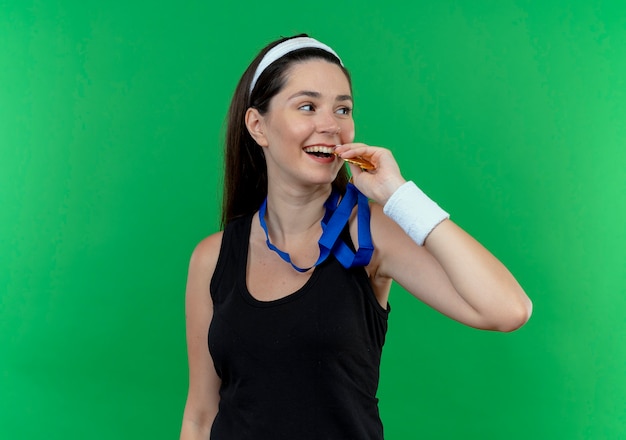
point(344, 110)
point(307, 107)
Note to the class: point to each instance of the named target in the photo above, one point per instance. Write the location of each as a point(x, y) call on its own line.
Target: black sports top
point(305, 366)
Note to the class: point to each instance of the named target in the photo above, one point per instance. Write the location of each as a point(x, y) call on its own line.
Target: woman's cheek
point(347, 135)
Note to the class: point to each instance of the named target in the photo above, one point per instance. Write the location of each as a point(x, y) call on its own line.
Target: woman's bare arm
point(203, 395)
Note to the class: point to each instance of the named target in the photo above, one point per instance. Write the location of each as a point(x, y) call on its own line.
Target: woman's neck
point(295, 212)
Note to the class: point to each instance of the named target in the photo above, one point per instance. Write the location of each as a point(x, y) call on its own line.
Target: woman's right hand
point(377, 184)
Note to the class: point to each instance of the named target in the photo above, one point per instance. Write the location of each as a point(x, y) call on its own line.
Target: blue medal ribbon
point(335, 219)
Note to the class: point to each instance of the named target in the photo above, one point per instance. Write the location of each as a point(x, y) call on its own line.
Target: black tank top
point(305, 366)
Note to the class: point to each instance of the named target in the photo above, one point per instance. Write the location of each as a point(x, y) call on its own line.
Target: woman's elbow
point(515, 317)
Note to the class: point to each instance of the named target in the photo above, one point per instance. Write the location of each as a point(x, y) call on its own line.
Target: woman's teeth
point(323, 151)
point(319, 150)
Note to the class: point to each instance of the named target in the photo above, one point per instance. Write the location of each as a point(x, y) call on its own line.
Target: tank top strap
point(233, 255)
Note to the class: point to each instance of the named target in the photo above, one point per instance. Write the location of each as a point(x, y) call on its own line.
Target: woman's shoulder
point(375, 214)
point(206, 252)
point(380, 223)
point(377, 217)
point(386, 235)
point(377, 223)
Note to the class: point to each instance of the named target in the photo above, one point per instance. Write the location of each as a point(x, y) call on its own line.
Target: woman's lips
point(330, 150)
point(325, 149)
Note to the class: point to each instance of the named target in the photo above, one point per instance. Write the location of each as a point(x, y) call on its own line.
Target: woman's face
point(305, 120)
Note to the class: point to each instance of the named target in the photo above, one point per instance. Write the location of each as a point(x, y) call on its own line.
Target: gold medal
point(364, 164)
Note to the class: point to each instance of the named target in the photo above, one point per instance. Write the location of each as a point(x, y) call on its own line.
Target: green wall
point(511, 114)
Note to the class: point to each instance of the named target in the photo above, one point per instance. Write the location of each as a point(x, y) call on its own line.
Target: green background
point(511, 114)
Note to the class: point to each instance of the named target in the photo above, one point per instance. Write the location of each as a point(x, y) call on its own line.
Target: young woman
point(293, 292)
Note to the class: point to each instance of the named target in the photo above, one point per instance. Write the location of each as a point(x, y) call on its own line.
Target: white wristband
point(414, 211)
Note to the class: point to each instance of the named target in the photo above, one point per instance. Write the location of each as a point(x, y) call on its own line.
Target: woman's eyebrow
point(308, 93)
point(344, 98)
point(317, 95)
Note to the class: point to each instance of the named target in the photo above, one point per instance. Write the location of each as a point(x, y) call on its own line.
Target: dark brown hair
point(245, 172)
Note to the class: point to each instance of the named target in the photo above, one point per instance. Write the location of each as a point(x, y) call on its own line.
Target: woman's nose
point(328, 124)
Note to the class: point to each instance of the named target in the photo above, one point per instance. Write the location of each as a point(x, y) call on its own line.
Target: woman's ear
point(255, 125)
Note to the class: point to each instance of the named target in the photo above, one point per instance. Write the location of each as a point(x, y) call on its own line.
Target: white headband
point(282, 49)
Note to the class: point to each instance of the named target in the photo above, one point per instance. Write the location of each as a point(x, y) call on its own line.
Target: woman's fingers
point(377, 183)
